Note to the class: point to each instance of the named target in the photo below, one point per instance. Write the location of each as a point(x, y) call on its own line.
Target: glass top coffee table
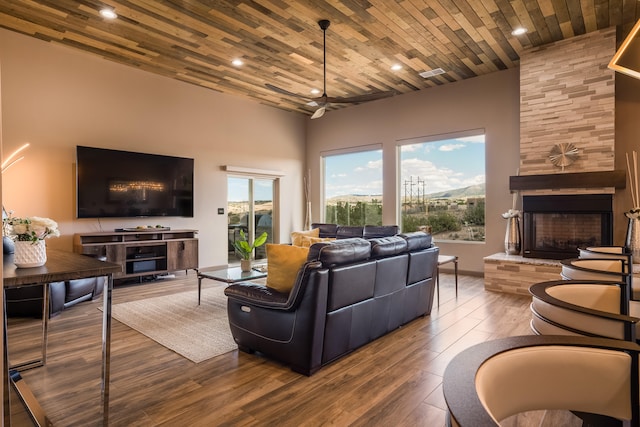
point(228, 275)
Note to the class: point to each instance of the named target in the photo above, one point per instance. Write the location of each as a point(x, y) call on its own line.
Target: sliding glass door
point(250, 210)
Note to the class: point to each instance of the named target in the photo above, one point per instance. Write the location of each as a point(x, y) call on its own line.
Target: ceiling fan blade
point(319, 112)
point(361, 98)
point(284, 92)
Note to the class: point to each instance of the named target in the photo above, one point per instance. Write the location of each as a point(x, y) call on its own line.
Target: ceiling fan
point(323, 101)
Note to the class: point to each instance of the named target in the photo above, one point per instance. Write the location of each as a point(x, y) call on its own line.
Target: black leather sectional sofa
point(348, 293)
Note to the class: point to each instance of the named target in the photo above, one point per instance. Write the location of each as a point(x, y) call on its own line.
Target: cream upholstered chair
point(494, 380)
point(614, 252)
point(593, 269)
point(608, 269)
point(582, 307)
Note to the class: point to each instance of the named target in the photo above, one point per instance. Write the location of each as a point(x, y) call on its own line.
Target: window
point(353, 188)
point(442, 186)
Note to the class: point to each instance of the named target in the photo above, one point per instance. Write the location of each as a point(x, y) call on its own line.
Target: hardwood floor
point(395, 380)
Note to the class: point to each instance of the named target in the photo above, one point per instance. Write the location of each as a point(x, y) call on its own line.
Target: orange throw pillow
point(308, 241)
point(283, 263)
point(297, 237)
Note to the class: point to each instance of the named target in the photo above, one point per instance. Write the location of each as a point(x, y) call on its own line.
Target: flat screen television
point(125, 184)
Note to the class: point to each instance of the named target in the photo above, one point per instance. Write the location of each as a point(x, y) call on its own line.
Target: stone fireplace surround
point(567, 94)
point(516, 273)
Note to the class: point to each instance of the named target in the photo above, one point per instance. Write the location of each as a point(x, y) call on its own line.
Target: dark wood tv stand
point(142, 252)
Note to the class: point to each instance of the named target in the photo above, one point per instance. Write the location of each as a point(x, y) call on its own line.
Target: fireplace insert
point(555, 226)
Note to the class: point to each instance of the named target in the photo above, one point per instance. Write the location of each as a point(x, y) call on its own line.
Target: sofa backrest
point(374, 231)
point(351, 284)
point(349, 231)
point(417, 240)
point(347, 251)
point(326, 230)
point(387, 246)
point(360, 269)
point(338, 252)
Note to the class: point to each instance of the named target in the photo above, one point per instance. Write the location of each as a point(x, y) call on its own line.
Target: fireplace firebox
point(555, 226)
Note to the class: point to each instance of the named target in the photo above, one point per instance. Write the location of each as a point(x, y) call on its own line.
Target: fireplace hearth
point(555, 226)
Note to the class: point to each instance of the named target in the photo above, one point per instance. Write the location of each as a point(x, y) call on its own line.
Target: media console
point(142, 253)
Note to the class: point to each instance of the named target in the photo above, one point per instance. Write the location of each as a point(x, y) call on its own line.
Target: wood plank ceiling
point(279, 41)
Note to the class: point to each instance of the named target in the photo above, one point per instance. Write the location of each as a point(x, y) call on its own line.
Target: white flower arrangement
point(29, 229)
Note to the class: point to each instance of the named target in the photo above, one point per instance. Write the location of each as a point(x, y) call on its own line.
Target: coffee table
point(227, 275)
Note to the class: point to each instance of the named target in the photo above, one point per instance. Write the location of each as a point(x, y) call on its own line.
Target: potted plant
point(245, 249)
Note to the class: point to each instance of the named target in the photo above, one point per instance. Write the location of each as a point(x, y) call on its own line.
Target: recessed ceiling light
point(108, 13)
point(396, 67)
point(519, 31)
point(237, 62)
point(315, 91)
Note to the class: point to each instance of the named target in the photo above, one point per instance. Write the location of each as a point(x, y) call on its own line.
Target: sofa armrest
point(259, 295)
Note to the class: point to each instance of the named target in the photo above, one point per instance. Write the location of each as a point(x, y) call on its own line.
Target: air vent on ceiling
point(431, 73)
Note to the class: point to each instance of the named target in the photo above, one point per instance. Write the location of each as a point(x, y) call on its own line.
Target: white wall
point(56, 98)
point(489, 102)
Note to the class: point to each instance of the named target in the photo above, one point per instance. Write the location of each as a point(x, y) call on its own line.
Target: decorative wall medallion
point(563, 154)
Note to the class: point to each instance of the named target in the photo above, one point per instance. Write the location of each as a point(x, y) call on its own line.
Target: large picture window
point(442, 186)
point(353, 188)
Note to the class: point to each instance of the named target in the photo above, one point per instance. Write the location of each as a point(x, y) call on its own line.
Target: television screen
point(124, 184)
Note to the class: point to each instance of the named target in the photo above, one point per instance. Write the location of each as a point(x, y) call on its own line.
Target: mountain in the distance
point(460, 193)
point(456, 193)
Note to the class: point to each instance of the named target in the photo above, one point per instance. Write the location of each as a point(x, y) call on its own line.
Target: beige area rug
point(197, 332)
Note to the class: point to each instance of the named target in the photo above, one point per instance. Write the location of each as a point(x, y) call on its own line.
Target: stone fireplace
point(555, 226)
point(567, 95)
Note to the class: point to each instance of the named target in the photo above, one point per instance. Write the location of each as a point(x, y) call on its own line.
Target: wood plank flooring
point(395, 380)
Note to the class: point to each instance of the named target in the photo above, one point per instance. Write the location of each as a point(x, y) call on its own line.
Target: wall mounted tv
point(124, 184)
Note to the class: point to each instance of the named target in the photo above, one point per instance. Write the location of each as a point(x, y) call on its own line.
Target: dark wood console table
point(60, 266)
